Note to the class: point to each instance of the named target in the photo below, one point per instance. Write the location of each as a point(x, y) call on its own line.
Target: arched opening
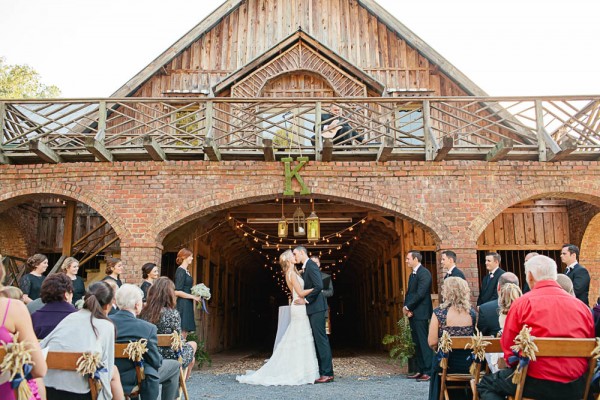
point(236, 252)
point(542, 225)
point(297, 84)
point(57, 226)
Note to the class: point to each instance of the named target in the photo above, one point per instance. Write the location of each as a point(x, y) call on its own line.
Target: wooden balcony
point(380, 129)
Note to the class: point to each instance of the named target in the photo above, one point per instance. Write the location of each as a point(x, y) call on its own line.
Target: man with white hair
point(550, 312)
point(129, 328)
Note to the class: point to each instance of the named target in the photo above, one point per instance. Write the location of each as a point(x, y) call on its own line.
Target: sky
point(90, 48)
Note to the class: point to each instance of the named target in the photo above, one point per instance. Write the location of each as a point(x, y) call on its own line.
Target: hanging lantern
point(299, 223)
point(282, 225)
point(313, 227)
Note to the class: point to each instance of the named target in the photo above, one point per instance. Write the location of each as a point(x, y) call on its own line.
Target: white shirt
point(415, 269)
point(451, 269)
point(494, 271)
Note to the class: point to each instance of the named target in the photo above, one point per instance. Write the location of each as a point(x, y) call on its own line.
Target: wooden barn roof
point(230, 5)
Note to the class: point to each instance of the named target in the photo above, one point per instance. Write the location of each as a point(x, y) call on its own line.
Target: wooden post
point(428, 138)
point(318, 127)
point(68, 233)
point(195, 250)
point(539, 122)
point(3, 158)
point(226, 302)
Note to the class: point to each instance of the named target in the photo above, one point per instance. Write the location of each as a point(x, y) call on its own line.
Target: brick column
point(134, 255)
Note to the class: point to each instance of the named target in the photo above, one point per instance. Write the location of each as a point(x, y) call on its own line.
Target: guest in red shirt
point(550, 312)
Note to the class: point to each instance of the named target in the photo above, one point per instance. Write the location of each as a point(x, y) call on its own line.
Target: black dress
point(145, 286)
point(457, 360)
point(117, 281)
point(31, 285)
point(183, 283)
point(78, 289)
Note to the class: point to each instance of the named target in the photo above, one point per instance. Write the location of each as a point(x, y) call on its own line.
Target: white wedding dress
point(294, 360)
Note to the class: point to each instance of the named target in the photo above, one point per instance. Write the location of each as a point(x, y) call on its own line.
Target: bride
point(294, 360)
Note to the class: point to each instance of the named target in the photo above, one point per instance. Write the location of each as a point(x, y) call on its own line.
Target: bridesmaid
point(114, 268)
point(70, 267)
point(31, 283)
point(183, 286)
point(149, 274)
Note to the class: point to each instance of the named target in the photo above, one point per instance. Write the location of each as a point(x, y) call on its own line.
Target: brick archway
point(590, 255)
point(586, 192)
point(214, 202)
point(13, 195)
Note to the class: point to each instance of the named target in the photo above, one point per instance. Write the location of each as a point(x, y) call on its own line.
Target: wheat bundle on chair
point(444, 349)
point(90, 365)
point(477, 347)
point(135, 351)
point(524, 351)
point(18, 363)
point(177, 345)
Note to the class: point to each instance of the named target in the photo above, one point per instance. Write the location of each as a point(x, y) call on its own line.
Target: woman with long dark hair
point(31, 283)
point(89, 329)
point(183, 286)
point(160, 311)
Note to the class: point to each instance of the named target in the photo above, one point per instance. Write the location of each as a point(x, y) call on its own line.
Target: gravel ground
point(209, 386)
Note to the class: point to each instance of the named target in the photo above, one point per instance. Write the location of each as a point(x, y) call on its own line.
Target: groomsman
point(449, 265)
point(490, 280)
point(576, 272)
point(418, 308)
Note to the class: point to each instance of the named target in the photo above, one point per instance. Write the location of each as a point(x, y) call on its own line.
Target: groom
point(316, 308)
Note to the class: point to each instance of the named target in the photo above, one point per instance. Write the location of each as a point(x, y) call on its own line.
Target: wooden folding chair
point(458, 381)
point(121, 354)
point(561, 347)
point(165, 340)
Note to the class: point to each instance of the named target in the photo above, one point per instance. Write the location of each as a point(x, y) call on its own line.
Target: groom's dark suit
point(418, 301)
point(316, 310)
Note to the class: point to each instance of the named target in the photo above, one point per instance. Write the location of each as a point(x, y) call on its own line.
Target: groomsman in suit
point(490, 280)
point(488, 323)
point(449, 265)
point(576, 272)
point(528, 257)
point(418, 308)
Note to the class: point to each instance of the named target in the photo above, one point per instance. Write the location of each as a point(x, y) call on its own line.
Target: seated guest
point(596, 314)
point(566, 283)
point(114, 269)
point(70, 267)
point(31, 283)
point(160, 311)
point(130, 328)
point(88, 329)
point(488, 322)
point(149, 274)
point(457, 317)
point(11, 292)
point(57, 292)
point(550, 312)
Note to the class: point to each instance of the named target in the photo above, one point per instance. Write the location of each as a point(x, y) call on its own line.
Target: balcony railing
point(382, 129)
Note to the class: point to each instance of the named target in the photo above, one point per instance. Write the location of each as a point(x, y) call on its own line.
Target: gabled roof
point(230, 5)
point(304, 38)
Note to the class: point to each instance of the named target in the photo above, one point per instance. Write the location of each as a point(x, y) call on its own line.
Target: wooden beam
point(69, 228)
point(566, 148)
point(268, 149)
point(385, 149)
point(156, 152)
point(44, 152)
point(3, 158)
point(442, 152)
point(212, 150)
point(97, 148)
point(327, 154)
point(500, 150)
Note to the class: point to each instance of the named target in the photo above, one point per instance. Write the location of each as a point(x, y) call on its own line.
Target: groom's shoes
point(414, 376)
point(324, 379)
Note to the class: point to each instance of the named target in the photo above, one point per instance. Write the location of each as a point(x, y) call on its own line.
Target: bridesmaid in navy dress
point(183, 286)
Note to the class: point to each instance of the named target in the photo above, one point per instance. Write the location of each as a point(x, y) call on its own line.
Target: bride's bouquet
point(202, 291)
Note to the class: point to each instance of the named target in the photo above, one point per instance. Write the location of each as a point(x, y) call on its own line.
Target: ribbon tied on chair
point(19, 365)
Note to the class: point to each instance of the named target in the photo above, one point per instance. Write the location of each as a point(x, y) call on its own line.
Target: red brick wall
point(144, 201)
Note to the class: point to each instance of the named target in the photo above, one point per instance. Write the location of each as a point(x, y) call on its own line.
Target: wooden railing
point(417, 128)
point(15, 269)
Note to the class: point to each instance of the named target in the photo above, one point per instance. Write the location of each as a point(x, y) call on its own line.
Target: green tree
point(23, 82)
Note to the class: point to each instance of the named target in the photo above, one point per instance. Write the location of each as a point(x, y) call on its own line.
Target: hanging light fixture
point(299, 222)
point(282, 225)
point(313, 225)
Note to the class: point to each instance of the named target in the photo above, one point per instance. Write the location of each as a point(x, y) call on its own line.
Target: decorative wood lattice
point(300, 57)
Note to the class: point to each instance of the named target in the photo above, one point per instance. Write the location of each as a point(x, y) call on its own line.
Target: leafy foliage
point(403, 347)
point(202, 355)
point(23, 82)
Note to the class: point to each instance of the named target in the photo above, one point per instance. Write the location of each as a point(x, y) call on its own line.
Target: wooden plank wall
point(344, 26)
point(531, 225)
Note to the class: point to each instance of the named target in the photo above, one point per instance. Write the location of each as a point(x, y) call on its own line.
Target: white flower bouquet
point(202, 291)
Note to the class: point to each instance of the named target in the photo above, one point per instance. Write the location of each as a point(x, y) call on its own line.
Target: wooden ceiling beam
point(156, 152)
point(500, 150)
point(442, 152)
point(268, 150)
point(44, 152)
point(97, 148)
point(211, 149)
